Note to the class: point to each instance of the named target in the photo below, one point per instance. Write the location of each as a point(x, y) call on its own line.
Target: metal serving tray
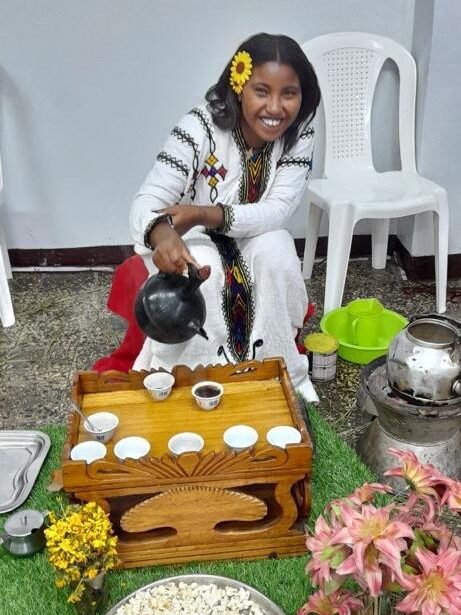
point(267, 606)
point(21, 456)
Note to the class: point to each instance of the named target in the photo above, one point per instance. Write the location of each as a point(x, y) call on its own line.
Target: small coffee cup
point(240, 437)
point(282, 435)
point(185, 442)
point(207, 394)
point(159, 385)
point(103, 426)
point(88, 451)
point(364, 322)
point(133, 447)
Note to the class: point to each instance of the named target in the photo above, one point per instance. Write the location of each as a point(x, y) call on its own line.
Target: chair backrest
point(347, 65)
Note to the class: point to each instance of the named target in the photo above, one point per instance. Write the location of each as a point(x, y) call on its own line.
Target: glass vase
point(93, 597)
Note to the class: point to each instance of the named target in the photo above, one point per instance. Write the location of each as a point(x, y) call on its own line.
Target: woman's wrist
point(213, 216)
point(161, 229)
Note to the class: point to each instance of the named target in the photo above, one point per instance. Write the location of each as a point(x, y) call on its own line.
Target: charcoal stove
point(431, 431)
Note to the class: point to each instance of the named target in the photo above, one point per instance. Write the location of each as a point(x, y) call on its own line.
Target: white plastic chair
point(347, 66)
point(6, 306)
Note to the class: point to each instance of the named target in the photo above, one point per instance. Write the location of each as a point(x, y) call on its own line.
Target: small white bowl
point(133, 447)
point(88, 451)
point(105, 423)
point(203, 395)
point(185, 442)
point(282, 435)
point(240, 437)
point(159, 385)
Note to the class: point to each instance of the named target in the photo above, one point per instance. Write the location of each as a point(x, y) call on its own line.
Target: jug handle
point(200, 275)
point(196, 277)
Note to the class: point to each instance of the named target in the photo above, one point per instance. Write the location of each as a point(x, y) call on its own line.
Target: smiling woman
point(270, 103)
point(221, 192)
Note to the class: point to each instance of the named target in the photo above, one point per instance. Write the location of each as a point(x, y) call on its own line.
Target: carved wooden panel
point(192, 510)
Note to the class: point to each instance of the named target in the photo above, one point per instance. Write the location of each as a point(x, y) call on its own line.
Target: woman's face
point(270, 101)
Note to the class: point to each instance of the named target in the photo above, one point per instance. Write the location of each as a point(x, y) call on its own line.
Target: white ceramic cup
point(88, 451)
point(133, 447)
point(282, 435)
point(240, 437)
point(105, 423)
point(159, 385)
point(202, 393)
point(185, 442)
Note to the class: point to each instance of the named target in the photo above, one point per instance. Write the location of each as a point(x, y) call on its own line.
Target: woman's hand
point(171, 254)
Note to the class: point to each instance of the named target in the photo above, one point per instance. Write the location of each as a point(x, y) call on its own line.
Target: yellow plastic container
point(321, 351)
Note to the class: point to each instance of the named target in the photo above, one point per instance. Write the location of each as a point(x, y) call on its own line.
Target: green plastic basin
point(336, 323)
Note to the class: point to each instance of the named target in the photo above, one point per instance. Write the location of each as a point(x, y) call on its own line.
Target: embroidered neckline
point(248, 149)
point(255, 169)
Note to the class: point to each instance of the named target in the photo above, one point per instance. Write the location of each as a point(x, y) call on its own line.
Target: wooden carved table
point(215, 504)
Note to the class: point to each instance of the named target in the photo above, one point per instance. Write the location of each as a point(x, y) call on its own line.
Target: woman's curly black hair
point(224, 104)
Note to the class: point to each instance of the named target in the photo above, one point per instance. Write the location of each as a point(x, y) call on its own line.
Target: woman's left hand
point(184, 217)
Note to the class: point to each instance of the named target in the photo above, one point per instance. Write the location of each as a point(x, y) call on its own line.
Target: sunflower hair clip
point(240, 70)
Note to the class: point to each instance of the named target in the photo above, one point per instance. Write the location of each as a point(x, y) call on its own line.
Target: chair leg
point(6, 258)
point(6, 306)
point(441, 253)
point(379, 240)
point(340, 231)
point(314, 218)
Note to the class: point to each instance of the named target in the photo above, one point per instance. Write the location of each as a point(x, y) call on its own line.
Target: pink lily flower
point(419, 509)
point(442, 534)
point(423, 479)
point(361, 495)
point(326, 554)
point(452, 496)
point(436, 591)
point(339, 603)
point(366, 493)
point(375, 540)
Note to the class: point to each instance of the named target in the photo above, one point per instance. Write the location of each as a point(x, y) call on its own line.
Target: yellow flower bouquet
point(81, 545)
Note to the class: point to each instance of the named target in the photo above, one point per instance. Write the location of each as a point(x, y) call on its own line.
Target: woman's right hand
point(171, 254)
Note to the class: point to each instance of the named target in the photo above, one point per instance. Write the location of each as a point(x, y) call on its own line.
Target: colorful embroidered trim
point(228, 218)
point(240, 70)
point(237, 297)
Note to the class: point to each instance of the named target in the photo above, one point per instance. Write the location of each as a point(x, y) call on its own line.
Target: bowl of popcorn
point(196, 594)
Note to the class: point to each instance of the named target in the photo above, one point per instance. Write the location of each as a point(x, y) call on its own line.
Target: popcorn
point(191, 599)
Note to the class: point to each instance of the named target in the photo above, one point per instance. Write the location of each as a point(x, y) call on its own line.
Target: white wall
point(437, 49)
point(89, 89)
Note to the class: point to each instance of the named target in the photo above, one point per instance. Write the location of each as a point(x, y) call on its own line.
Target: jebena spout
point(202, 332)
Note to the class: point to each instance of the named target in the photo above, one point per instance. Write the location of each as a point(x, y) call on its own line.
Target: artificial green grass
point(27, 584)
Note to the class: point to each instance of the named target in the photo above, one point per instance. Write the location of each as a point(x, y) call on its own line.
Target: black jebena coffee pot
point(170, 308)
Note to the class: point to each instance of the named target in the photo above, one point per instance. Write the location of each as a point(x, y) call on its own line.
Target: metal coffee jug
point(24, 532)
point(424, 360)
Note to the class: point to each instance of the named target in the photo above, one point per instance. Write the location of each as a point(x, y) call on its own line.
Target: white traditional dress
point(255, 297)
